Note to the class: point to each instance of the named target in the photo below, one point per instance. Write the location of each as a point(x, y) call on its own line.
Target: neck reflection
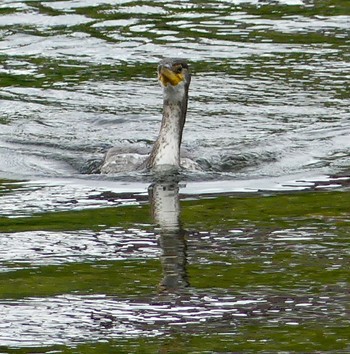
point(165, 206)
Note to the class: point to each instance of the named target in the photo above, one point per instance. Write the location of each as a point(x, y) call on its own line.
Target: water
point(268, 97)
point(249, 255)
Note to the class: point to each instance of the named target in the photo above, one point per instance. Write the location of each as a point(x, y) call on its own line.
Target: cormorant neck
point(166, 149)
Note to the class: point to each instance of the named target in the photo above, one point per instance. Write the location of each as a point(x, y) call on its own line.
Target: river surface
point(250, 255)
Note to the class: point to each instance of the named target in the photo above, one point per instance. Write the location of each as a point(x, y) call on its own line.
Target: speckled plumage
point(175, 79)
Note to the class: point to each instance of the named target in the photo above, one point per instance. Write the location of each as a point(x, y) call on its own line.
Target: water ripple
point(31, 249)
point(257, 78)
point(268, 111)
point(73, 319)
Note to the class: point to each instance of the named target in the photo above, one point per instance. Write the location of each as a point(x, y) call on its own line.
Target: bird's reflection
point(164, 200)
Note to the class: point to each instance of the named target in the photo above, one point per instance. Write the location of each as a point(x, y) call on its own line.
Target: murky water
point(269, 94)
point(83, 261)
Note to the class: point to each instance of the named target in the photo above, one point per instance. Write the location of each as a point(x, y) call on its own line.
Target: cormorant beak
point(167, 76)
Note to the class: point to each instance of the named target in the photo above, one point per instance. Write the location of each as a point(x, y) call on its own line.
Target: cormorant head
point(174, 72)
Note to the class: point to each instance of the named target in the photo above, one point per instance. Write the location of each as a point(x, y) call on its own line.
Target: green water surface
point(314, 266)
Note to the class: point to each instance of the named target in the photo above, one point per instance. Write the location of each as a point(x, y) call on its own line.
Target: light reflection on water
point(269, 109)
point(30, 249)
point(23, 199)
point(268, 96)
point(179, 302)
point(94, 318)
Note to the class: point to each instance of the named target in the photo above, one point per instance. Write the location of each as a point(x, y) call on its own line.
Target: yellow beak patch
point(167, 76)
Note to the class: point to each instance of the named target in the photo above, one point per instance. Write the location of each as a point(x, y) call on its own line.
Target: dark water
point(104, 264)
